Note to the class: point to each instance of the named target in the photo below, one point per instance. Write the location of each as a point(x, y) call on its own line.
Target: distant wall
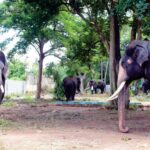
point(21, 87)
point(15, 87)
point(108, 88)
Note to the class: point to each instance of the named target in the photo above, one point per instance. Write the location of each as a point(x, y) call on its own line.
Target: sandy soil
point(50, 127)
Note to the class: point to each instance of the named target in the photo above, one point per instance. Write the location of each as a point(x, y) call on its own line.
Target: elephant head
point(135, 64)
point(3, 74)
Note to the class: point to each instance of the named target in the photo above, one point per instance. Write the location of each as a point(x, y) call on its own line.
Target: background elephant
point(3, 72)
point(71, 85)
point(78, 83)
point(101, 85)
point(93, 86)
point(135, 64)
point(146, 86)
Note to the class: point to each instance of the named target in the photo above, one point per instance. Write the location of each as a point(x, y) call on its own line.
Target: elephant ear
point(141, 52)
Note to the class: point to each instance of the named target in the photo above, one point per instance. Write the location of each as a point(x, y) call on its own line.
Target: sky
point(31, 55)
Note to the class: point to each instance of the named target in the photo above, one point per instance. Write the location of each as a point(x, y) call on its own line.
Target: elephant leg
point(95, 89)
point(123, 97)
point(67, 95)
point(67, 98)
point(73, 97)
point(102, 90)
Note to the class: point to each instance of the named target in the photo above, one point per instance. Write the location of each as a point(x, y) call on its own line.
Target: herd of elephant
point(72, 86)
point(135, 64)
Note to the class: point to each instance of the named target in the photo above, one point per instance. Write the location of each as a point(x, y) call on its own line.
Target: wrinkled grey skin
point(135, 64)
point(3, 74)
point(71, 86)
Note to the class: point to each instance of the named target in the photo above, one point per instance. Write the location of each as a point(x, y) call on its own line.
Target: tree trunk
point(134, 29)
point(114, 56)
point(40, 70)
point(82, 78)
point(139, 31)
point(39, 80)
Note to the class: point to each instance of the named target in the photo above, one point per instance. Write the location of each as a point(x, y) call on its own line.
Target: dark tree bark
point(139, 31)
point(40, 70)
point(114, 56)
point(136, 32)
point(134, 29)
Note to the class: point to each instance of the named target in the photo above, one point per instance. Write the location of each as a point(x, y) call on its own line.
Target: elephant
point(146, 86)
point(101, 85)
point(78, 83)
point(3, 75)
point(71, 85)
point(135, 64)
point(94, 86)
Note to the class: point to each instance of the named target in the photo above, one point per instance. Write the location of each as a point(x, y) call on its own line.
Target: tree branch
point(98, 30)
point(37, 50)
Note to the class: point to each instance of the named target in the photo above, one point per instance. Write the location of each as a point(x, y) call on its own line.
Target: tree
point(84, 51)
point(139, 12)
point(28, 20)
point(102, 17)
point(105, 17)
point(58, 73)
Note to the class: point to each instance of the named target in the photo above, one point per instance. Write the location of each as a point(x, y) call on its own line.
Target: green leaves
point(141, 8)
point(17, 70)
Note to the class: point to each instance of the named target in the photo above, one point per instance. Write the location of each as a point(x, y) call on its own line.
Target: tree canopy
point(87, 32)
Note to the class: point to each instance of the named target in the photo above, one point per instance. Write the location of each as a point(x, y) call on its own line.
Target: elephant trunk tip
point(123, 129)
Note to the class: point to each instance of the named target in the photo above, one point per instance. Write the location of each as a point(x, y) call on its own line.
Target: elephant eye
point(129, 61)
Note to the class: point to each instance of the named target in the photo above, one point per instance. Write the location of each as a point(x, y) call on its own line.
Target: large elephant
point(135, 64)
point(3, 73)
point(71, 86)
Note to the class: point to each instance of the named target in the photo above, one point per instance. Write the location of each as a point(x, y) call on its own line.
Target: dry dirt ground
point(44, 126)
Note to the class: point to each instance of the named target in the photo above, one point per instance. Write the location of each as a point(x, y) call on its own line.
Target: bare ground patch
point(50, 127)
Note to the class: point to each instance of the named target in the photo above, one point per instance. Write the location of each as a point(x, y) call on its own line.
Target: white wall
point(21, 87)
point(15, 87)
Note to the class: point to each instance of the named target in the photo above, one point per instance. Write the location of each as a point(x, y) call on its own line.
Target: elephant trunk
point(122, 95)
point(122, 98)
point(122, 78)
point(122, 74)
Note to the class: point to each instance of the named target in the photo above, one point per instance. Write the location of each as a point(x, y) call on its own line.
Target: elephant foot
point(123, 129)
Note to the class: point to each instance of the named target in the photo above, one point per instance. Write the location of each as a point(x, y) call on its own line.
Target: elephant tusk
point(2, 88)
point(115, 95)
